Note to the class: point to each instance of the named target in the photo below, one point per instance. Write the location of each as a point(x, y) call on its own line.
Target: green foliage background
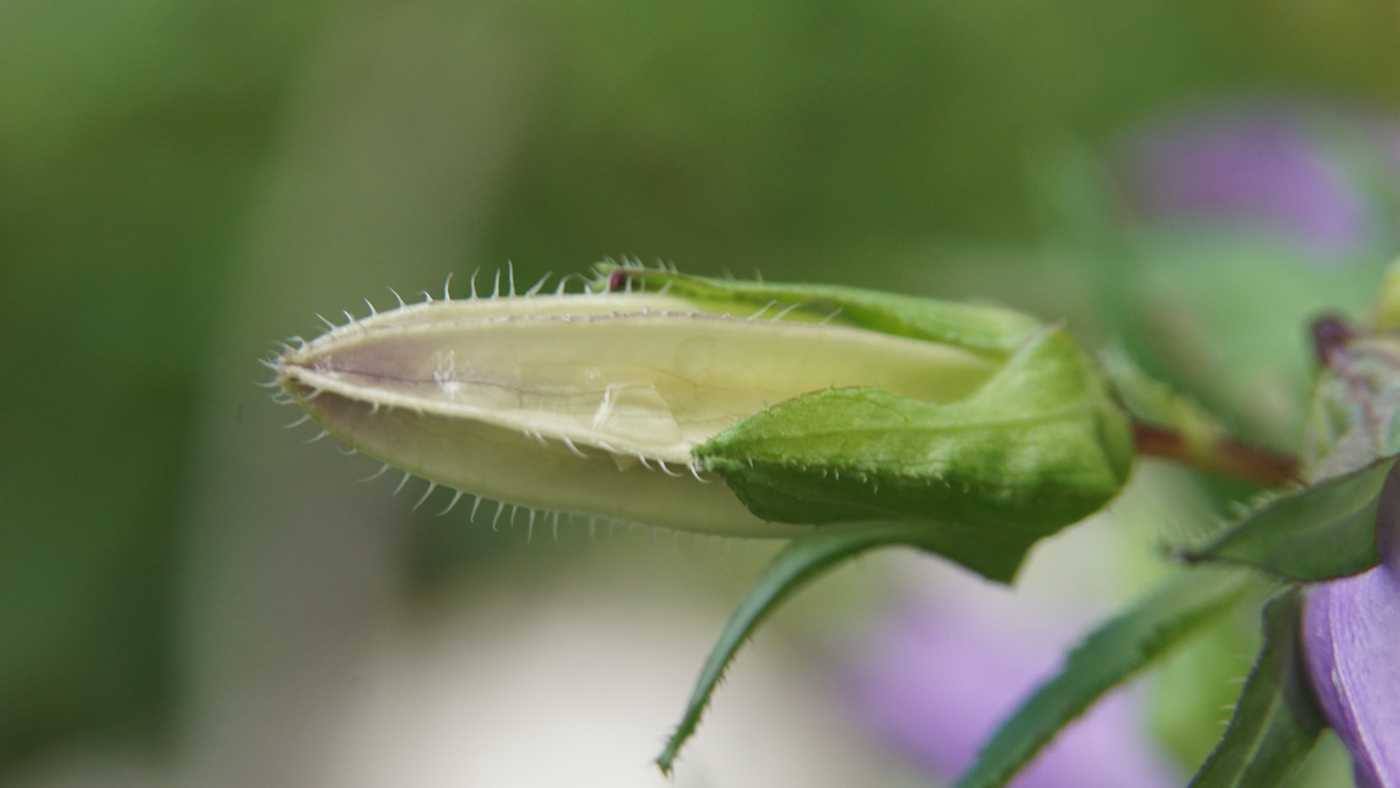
point(181, 182)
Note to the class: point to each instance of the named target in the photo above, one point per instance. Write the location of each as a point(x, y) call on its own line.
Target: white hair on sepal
point(785, 312)
point(572, 447)
point(432, 485)
point(759, 313)
point(536, 288)
point(695, 467)
point(398, 298)
point(456, 496)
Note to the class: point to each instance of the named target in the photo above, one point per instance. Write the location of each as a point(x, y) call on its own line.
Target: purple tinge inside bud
point(1351, 633)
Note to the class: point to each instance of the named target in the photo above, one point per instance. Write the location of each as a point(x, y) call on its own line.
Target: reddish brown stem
point(1228, 457)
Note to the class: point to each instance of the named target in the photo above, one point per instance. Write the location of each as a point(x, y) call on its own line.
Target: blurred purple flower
point(1351, 633)
point(936, 683)
point(1275, 166)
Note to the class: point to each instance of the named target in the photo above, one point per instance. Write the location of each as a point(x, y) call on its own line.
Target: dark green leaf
point(1317, 533)
point(801, 562)
point(1276, 721)
point(1108, 656)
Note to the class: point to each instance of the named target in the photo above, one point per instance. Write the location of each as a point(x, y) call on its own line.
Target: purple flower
point(1351, 633)
point(1273, 166)
point(938, 680)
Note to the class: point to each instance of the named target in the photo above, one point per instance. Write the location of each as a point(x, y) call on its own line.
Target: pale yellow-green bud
point(593, 404)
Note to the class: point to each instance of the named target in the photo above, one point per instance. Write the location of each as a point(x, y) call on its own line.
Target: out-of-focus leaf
point(1173, 426)
point(1276, 721)
point(1155, 402)
point(801, 562)
point(1317, 533)
point(1108, 656)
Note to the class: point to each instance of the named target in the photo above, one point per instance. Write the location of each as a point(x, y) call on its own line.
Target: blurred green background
point(184, 181)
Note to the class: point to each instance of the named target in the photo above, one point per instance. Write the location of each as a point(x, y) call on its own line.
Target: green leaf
point(1316, 533)
point(801, 562)
point(1037, 448)
point(1108, 656)
point(1276, 721)
point(979, 327)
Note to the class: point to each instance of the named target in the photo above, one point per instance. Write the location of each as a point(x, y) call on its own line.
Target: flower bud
point(624, 405)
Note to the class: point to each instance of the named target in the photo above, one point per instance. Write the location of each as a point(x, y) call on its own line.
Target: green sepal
point(978, 327)
point(1155, 402)
point(1108, 656)
point(1277, 721)
point(1038, 447)
point(1355, 413)
point(1316, 533)
point(799, 563)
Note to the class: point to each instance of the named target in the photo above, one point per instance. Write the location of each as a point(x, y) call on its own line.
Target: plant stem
point(1226, 456)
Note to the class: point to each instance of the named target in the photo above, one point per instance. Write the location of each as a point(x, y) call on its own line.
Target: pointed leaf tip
point(799, 563)
point(1316, 533)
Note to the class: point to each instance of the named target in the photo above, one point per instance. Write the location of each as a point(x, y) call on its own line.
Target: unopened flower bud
point(641, 406)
